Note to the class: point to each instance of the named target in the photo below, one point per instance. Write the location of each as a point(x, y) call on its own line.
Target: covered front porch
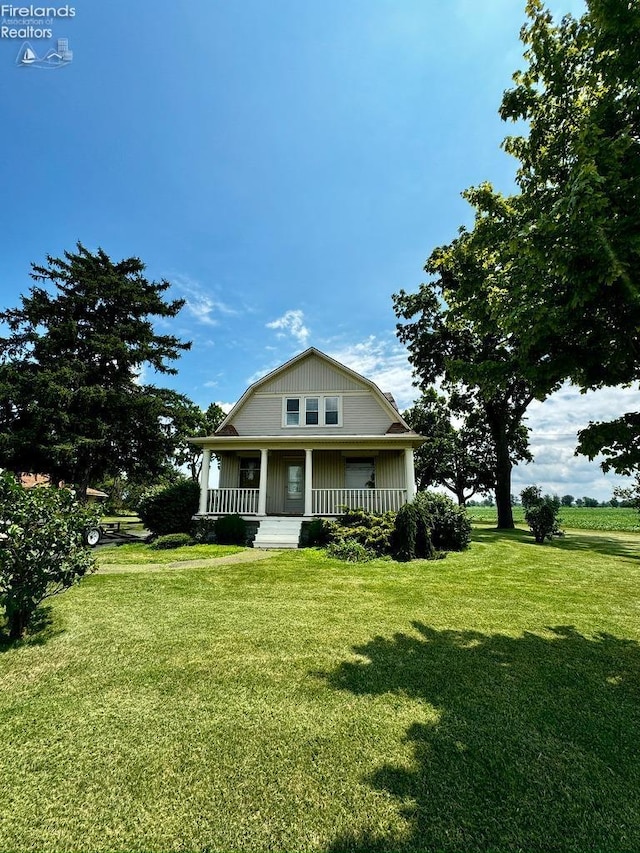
point(277, 480)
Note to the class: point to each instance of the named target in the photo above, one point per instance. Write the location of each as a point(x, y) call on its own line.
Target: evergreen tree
point(72, 404)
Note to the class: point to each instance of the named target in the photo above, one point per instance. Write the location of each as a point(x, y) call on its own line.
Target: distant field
point(624, 519)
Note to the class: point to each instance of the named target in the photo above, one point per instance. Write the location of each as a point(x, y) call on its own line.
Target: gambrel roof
point(352, 381)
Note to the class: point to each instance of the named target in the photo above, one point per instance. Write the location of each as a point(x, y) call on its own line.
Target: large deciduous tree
point(460, 453)
point(455, 334)
point(546, 287)
point(579, 177)
point(72, 403)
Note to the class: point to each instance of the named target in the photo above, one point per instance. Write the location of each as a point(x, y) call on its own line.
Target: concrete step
point(278, 533)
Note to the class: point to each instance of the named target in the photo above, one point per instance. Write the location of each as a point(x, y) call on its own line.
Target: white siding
point(260, 415)
point(312, 374)
point(229, 471)
point(390, 472)
point(328, 469)
point(362, 414)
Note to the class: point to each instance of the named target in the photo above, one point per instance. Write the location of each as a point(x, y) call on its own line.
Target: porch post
point(308, 481)
point(410, 473)
point(262, 491)
point(204, 480)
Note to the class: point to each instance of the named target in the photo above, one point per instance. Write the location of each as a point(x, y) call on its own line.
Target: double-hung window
point(249, 474)
point(311, 411)
point(292, 417)
point(331, 411)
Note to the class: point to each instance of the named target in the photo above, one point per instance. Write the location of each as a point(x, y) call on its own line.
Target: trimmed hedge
point(231, 530)
point(172, 509)
point(171, 540)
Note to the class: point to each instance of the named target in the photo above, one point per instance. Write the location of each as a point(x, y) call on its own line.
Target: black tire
point(92, 536)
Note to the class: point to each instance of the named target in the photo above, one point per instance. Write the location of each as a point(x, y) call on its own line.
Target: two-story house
point(309, 439)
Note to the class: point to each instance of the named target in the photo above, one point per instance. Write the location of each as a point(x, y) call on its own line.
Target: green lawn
point(137, 553)
point(486, 702)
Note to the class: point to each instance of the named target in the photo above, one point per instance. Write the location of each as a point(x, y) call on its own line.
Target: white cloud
point(140, 374)
point(226, 407)
point(385, 362)
point(554, 428)
point(291, 323)
point(200, 303)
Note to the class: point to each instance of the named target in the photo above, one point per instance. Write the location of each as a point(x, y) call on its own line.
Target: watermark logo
point(53, 58)
point(37, 23)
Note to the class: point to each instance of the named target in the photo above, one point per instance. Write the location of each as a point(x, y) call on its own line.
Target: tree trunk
point(503, 484)
point(17, 621)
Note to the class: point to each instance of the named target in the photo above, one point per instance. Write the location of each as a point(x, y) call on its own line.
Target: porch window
point(249, 474)
point(360, 473)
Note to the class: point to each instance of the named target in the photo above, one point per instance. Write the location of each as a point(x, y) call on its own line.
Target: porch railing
point(232, 501)
point(333, 501)
point(323, 501)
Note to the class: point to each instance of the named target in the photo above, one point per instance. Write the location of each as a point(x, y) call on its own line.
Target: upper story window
point(292, 413)
point(311, 411)
point(331, 411)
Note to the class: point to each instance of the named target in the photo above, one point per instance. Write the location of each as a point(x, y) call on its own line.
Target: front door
point(294, 489)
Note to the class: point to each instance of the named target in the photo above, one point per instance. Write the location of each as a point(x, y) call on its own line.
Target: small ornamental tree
point(540, 513)
point(42, 550)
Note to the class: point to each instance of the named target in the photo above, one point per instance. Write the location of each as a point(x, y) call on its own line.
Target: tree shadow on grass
point(610, 546)
point(536, 745)
point(40, 631)
point(572, 540)
point(492, 534)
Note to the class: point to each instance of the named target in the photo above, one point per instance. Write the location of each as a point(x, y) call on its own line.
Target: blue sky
point(286, 164)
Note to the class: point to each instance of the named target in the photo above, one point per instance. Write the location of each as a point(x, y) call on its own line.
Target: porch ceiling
point(315, 442)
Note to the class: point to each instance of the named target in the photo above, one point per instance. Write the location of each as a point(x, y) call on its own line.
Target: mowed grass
point(623, 519)
point(486, 702)
point(138, 553)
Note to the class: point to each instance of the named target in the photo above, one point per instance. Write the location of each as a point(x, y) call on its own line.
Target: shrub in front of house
point(231, 530)
point(412, 533)
point(170, 510)
point(373, 532)
point(450, 524)
point(203, 531)
point(171, 540)
point(350, 551)
point(315, 533)
point(430, 525)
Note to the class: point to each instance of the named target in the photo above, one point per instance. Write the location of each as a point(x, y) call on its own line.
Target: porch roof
point(390, 441)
